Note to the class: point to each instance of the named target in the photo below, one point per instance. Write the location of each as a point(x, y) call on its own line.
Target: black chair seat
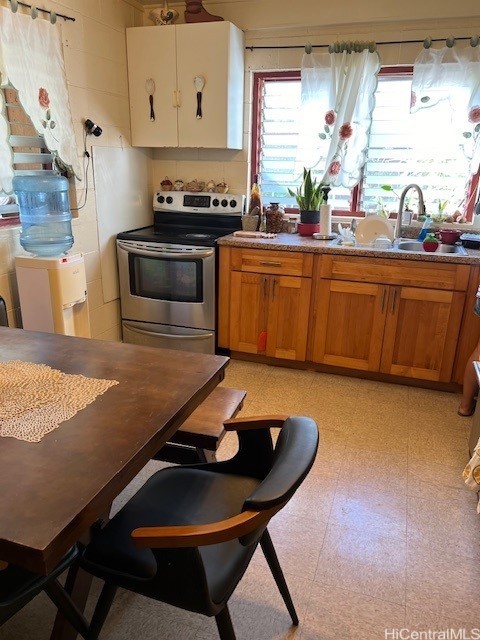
point(173, 496)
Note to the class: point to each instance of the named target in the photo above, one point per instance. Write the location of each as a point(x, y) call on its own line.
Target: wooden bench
point(199, 437)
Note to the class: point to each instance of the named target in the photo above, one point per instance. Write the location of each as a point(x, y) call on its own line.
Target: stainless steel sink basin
point(416, 245)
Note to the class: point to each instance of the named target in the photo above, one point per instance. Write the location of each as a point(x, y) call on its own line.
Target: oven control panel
point(190, 202)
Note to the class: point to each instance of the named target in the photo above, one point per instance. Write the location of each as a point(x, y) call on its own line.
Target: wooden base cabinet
point(349, 324)
point(264, 302)
point(399, 330)
point(269, 314)
point(421, 333)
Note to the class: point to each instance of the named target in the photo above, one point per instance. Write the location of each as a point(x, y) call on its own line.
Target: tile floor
point(382, 534)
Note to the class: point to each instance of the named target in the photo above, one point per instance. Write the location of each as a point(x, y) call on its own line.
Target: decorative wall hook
point(308, 48)
point(34, 12)
point(53, 17)
point(427, 43)
point(474, 40)
point(450, 42)
point(14, 6)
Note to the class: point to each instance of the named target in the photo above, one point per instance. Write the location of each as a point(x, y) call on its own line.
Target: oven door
point(168, 337)
point(172, 285)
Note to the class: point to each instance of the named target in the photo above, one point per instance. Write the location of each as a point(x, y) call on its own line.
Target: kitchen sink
point(417, 246)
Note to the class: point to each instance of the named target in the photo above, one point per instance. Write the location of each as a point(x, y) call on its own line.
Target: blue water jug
point(44, 214)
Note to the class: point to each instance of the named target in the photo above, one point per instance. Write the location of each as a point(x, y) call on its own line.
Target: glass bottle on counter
point(255, 205)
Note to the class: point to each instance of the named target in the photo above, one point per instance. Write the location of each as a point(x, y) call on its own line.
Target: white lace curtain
point(31, 59)
point(452, 75)
point(337, 103)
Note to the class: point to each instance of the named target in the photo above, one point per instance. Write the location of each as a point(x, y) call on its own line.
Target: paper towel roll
point(325, 220)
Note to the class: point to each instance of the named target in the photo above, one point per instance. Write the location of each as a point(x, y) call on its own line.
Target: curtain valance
point(31, 59)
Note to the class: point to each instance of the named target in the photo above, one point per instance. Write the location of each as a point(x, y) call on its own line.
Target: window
point(397, 154)
point(29, 151)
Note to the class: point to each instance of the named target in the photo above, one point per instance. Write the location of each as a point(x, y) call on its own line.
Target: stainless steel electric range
point(168, 271)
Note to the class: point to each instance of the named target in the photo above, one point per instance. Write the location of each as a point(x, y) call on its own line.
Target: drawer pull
point(269, 263)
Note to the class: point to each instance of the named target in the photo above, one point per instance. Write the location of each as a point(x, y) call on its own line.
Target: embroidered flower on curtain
point(44, 102)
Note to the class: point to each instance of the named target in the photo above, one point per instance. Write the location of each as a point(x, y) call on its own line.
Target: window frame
point(260, 77)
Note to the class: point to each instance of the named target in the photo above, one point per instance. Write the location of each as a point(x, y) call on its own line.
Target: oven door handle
point(156, 253)
point(202, 336)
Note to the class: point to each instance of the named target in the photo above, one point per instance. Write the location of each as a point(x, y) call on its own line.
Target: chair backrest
point(293, 458)
point(3, 313)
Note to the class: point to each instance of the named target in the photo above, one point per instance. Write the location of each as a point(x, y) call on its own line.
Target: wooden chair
point(186, 538)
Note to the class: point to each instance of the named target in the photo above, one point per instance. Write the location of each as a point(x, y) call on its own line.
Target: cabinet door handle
point(273, 289)
point(179, 98)
point(394, 300)
point(384, 295)
point(176, 99)
point(269, 263)
point(265, 287)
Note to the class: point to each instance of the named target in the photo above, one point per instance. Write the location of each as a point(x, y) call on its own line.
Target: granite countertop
point(296, 242)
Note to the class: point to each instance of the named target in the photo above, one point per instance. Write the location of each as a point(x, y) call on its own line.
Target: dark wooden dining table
point(54, 490)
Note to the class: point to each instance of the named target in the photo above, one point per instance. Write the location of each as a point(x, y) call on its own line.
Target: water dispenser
point(44, 214)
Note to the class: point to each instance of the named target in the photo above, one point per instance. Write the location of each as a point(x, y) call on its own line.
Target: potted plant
point(309, 196)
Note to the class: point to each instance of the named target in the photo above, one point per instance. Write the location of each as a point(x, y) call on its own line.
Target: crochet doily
point(35, 399)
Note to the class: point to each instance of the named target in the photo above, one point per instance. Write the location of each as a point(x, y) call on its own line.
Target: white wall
point(95, 59)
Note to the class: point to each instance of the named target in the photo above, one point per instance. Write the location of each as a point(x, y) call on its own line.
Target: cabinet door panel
point(151, 54)
point(209, 60)
point(421, 332)
point(350, 320)
point(288, 317)
point(248, 300)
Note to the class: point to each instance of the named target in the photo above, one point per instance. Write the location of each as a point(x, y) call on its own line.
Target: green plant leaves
point(309, 195)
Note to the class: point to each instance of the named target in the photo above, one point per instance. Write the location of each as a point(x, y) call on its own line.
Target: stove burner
point(199, 236)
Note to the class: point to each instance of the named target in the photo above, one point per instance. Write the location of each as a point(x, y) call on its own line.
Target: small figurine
point(166, 184)
point(163, 16)
point(222, 187)
point(178, 185)
point(195, 186)
point(210, 186)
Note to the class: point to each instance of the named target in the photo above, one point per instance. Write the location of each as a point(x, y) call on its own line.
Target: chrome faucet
point(421, 207)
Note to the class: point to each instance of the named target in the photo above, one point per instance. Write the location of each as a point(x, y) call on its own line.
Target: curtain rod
point(426, 42)
point(14, 4)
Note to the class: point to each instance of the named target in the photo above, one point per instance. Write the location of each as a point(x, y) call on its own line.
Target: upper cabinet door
point(173, 56)
point(213, 51)
point(151, 56)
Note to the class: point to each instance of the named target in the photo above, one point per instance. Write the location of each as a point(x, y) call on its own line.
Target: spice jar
point(274, 218)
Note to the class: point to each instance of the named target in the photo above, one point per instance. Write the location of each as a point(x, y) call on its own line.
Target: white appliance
point(53, 294)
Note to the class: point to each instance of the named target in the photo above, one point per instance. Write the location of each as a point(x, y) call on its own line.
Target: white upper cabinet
point(173, 56)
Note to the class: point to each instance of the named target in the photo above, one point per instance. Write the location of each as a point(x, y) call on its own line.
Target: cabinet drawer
point(285, 263)
point(413, 273)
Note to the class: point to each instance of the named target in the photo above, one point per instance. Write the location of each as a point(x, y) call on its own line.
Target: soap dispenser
point(425, 228)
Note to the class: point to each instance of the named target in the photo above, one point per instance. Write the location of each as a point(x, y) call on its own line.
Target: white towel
point(471, 473)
